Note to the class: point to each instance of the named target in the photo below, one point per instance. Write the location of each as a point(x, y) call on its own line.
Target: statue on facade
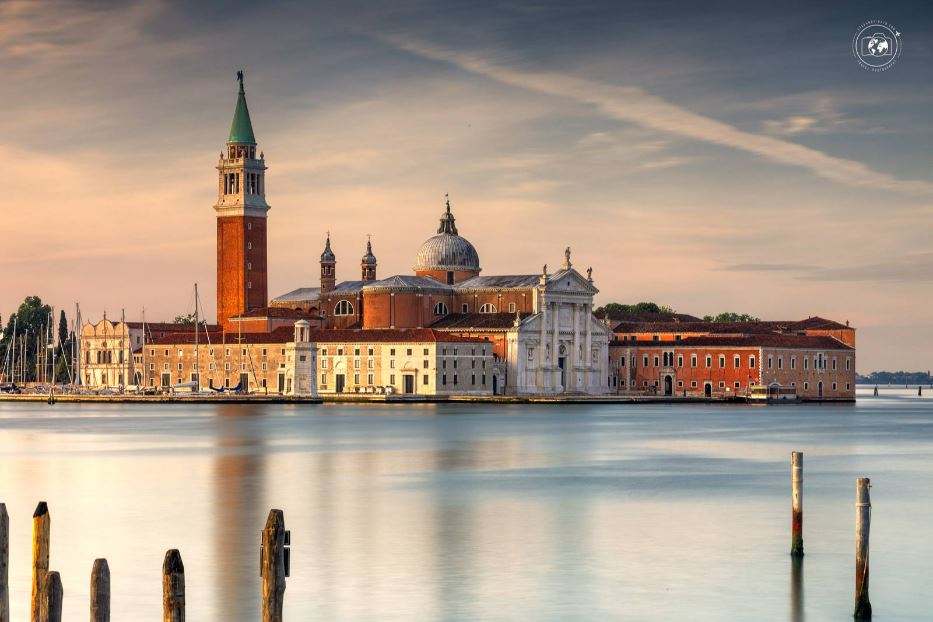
point(589, 274)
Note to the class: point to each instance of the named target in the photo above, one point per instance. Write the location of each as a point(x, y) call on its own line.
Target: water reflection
point(238, 473)
point(796, 589)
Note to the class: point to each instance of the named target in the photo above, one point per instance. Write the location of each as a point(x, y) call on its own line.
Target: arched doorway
point(820, 388)
point(708, 389)
point(495, 385)
point(668, 385)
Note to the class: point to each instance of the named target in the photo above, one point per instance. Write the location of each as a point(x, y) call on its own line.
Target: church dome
point(328, 254)
point(447, 250)
point(369, 259)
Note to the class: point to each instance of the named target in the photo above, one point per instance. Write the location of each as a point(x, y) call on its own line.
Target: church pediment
point(569, 281)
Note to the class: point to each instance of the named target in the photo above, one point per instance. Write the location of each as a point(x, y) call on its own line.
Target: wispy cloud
point(768, 267)
point(914, 268)
point(635, 105)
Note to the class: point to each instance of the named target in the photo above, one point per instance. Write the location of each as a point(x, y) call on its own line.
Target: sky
point(715, 156)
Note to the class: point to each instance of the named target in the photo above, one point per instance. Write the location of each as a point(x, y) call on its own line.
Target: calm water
point(477, 512)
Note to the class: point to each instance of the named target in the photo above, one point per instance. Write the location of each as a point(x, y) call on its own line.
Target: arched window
point(488, 308)
point(343, 308)
point(440, 309)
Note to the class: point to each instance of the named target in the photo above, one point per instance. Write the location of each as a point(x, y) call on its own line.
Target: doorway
point(282, 383)
point(708, 389)
point(495, 385)
point(668, 386)
point(563, 373)
point(244, 382)
point(166, 380)
point(820, 389)
point(341, 381)
point(409, 383)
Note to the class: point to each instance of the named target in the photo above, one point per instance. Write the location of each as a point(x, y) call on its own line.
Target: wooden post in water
point(50, 609)
point(272, 566)
point(4, 564)
point(862, 527)
point(100, 591)
point(796, 538)
point(173, 587)
point(41, 530)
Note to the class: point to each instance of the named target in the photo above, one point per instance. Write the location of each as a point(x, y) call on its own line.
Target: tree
point(63, 350)
point(730, 316)
point(30, 319)
point(615, 309)
point(187, 319)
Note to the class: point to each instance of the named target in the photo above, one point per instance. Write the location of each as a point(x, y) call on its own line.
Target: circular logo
point(877, 45)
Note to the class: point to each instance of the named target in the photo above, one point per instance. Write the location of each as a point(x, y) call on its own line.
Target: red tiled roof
point(286, 334)
point(737, 328)
point(747, 341)
point(476, 321)
point(647, 316)
point(388, 335)
point(168, 327)
point(276, 312)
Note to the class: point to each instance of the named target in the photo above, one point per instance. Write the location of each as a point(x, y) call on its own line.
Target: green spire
point(242, 129)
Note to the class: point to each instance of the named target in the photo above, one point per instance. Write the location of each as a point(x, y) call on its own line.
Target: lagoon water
point(479, 512)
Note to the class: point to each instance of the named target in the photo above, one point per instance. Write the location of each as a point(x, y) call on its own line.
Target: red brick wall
point(241, 265)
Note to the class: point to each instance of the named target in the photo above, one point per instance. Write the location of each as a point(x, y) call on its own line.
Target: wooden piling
point(173, 587)
point(4, 564)
point(41, 530)
point(796, 538)
point(100, 591)
point(862, 528)
point(50, 609)
point(272, 566)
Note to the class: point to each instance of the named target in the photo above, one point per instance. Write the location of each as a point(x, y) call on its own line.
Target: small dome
point(369, 259)
point(447, 250)
point(328, 255)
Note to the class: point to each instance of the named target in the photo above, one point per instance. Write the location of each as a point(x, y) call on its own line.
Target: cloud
point(915, 268)
point(767, 267)
point(635, 105)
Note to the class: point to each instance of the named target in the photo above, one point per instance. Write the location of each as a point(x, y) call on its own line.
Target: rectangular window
point(806, 362)
point(324, 379)
point(645, 361)
point(693, 384)
point(323, 363)
point(780, 362)
point(848, 363)
point(709, 361)
point(466, 308)
point(511, 307)
point(391, 378)
point(455, 378)
point(356, 379)
point(369, 363)
point(656, 359)
point(444, 379)
point(737, 384)
point(425, 363)
point(834, 363)
point(424, 379)
point(806, 386)
point(751, 362)
point(680, 360)
point(356, 351)
point(425, 352)
point(737, 361)
point(693, 360)
point(369, 379)
point(408, 352)
point(473, 379)
point(323, 351)
point(722, 361)
point(392, 351)
point(793, 362)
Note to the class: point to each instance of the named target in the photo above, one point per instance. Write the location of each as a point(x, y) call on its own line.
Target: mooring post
point(173, 587)
point(272, 566)
point(796, 468)
point(919, 391)
point(862, 527)
point(41, 530)
point(4, 564)
point(50, 609)
point(100, 591)
point(876, 390)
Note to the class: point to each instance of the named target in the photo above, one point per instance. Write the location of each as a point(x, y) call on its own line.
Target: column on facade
point(555, 355)
point(539, 368)
point(587, 344)
point(574, 350)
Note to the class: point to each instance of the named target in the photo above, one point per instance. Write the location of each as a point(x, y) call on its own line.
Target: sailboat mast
point(13, 341)
point(143, 374)
point(76, 348)
point(197, 345)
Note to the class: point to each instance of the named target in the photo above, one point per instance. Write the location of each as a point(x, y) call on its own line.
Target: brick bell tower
point(241, 219)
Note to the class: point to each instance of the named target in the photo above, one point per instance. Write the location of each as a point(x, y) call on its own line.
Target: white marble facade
point(562, 348)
